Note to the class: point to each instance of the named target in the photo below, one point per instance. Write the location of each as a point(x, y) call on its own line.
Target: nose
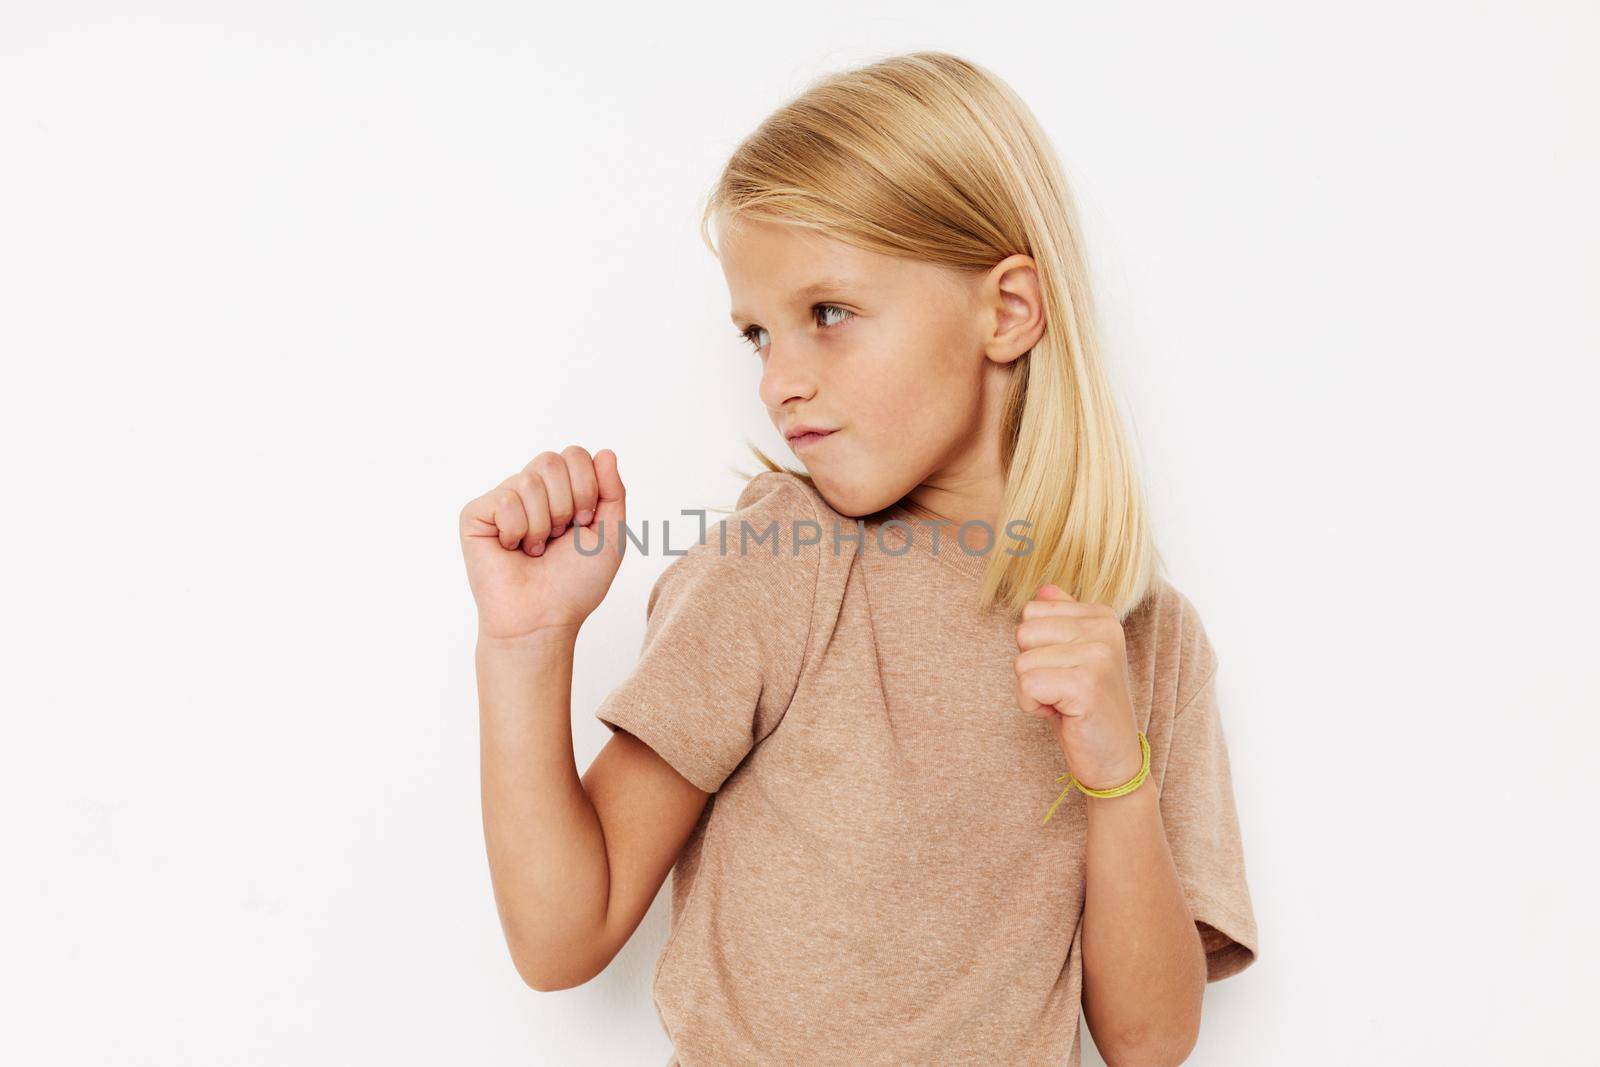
point(787, 375)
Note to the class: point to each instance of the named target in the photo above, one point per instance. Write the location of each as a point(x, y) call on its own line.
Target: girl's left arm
point(1144, 965)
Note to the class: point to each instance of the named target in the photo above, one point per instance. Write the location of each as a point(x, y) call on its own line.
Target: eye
point(825, 308)
point(750, 333)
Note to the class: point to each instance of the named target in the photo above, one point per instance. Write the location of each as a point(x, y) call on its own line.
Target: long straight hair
point(931, 157)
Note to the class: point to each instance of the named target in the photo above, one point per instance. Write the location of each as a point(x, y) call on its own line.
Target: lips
point(805, 436)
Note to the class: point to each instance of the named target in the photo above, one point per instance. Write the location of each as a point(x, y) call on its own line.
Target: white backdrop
point(281, 289)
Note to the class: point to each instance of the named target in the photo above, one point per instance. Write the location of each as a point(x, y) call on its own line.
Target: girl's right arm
point(575, 863)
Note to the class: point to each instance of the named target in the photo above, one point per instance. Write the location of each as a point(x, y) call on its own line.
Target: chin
point(851, 498)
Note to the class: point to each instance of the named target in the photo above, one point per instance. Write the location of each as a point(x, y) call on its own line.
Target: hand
point(523, 564)
point(1073, 671)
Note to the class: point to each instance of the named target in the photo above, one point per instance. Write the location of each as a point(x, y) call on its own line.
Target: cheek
point(919, 391)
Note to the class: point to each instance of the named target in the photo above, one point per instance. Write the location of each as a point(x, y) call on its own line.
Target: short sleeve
point(726, 632)
point(1202, 822)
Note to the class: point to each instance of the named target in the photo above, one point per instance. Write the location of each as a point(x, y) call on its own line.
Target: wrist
point(1111, 776)
point(1131, 784)
point(1115, 777)
point(552, 638)
point(1125, 775)
point(1135, 807)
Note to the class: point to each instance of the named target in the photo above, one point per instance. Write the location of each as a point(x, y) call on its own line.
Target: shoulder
point(773, 494)
point(1166, 628)
point(777, 513)
point(762, 551)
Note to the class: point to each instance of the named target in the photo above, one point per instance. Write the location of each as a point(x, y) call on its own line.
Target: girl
point(858, 693)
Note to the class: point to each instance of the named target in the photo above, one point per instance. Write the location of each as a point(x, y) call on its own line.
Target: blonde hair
point(930, 156)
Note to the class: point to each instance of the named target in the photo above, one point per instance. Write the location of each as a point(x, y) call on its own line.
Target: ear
point(1013, 308)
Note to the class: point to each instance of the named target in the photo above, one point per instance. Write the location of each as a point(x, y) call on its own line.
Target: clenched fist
point(521, 540)
point(1073, 670)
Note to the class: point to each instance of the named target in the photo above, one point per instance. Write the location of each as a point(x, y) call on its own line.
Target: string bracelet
point(1126, 787)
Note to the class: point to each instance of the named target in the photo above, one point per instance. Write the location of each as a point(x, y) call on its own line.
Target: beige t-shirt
point(871, 880)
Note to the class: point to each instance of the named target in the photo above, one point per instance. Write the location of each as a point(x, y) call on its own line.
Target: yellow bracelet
point(1127, 787)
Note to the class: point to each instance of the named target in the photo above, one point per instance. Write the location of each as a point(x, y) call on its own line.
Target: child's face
point(905, 361)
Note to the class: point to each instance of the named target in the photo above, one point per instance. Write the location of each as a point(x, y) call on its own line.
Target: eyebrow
point(806, 292)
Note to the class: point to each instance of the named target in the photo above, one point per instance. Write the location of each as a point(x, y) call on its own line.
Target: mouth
point(806, 437)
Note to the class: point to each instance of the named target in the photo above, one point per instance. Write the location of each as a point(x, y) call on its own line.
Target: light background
point(283, 286)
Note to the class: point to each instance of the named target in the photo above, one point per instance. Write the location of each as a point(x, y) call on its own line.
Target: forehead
point(777, 255)
point(770, 266)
